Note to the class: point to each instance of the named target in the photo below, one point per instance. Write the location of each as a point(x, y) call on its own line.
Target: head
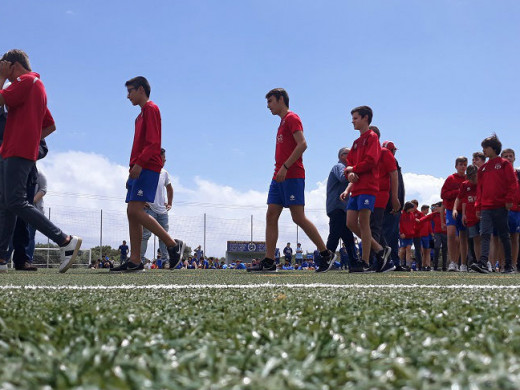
point(375, 129)
point(478, 159)
point(124, 242)
point(408, 206)
point(163, 157)
point(415, 203)
point(461, 163)
point(361, 117)
point(288, 244)
point(390, 146)
point(509, 155)
point(138, 90)
point(19, 63)
point(342, 154)
point(277, 101)
point(491, 146)
point(299, 245)
point(425, 209)
point(471, 173)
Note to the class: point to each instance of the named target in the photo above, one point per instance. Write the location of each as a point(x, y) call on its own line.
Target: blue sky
point(440, 76)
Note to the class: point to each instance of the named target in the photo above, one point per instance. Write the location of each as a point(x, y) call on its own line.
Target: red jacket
point(468, 196)
point(450, 191)
point(497, 184)
point(146, 150)
point(424, 228)
point(364, 157)
point(407, 224)
point(436, 218)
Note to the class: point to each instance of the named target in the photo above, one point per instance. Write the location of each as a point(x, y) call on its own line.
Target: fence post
point(48, 242)
point(251, 227)
point(101, 236)
point(205, 234)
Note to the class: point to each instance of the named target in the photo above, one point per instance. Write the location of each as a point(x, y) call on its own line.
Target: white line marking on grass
point(262, 285)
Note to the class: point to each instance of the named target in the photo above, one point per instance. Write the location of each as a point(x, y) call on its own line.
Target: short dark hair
point(471, 170)
point(17, 55)
point(277, 93)
point(139, 81)
point(492, 142)
point(363, 111)
point(375, 129)
point(508, 150)
point(408, 206)
point(461, 159)
point(415, 202)
point(425, 206)
point(479, 155)
point(163, 151)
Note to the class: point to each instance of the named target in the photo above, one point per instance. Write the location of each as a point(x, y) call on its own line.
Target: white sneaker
point(463, 268)
point(489, 266)
point(69, 252)
point(3, 268)
point(453, 267)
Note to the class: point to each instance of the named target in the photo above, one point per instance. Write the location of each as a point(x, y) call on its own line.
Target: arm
point(169, 194)
point(48, 131)
point(443, 217)
point(344, 195)
point(301, 145)
point(463, 213)
point(394, 183)
point(456, 207)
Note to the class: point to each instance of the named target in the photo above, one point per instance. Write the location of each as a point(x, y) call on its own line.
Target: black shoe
point(121, 268)
point(265, 265)
point(401, 268)
point(427, 269)
point(132, 267)
point(175, 253)
point(326, 262)
point(508, 271)
point(481, 268)
point(389, 267)
point(358, 267)
point(25, 267)
point(381, 259)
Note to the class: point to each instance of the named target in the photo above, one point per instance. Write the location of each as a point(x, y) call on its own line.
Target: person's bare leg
point(463, 243)
point(426, 257)
point(453, 244)
point(353, 223)
point(476, 246)
point(271, 229)
point(137, 218)
point(514, 249)
point(299, 218)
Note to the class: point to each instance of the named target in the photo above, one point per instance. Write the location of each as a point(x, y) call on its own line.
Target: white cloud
point(80, 185)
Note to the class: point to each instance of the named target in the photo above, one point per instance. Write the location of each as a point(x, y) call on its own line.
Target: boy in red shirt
point(496, 193)
point(425, 233)
point(468, 196)
point(406, 233)
point(514, 213)
point(363, 174)
point(454, 225)
point(287, 187)
point(28, 121)
point(439, 234)
point(143, 178)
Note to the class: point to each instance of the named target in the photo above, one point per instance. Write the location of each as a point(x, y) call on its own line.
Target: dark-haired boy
point(28, 121)
point(287, 187)
point(514, 213)
point(363, 174)
point(454, 226)
point(145, 167)
point(468, 196)
point(496, 192)
point(478, 159)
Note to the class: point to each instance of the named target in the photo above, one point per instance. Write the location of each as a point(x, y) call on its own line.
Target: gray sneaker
point(69, 252)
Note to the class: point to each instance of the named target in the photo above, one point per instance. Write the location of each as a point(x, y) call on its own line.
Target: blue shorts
point(455, 222)
point(474, 231)
point(404, 242)
point(143, 188)
point(361, 202)
point(514, 222)
point(425, 242)
point(290, 192)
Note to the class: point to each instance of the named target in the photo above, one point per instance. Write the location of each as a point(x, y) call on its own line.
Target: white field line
point(262, 285)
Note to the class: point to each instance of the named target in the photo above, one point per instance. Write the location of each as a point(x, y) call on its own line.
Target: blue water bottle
point(414, 266)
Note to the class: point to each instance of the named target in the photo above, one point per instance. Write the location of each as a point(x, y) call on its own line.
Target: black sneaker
point(358, 267)
point(265, 265)
point(121, 268)
point(481, 268)
point(132, 267)
point(508, 270)
point(326, 262)
point(389, 267)
point(175, 253)
point(25, 267)
point(401, 268)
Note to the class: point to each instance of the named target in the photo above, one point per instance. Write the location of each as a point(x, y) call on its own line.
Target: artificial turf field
point(227, 329)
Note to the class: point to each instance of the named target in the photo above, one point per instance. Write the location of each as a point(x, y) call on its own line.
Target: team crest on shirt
point(354, 146)
point(498, 166)
point(279, 139)
point(471, 199)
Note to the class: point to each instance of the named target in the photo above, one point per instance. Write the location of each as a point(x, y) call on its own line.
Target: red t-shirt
point(450, 190)
point(468, 196)
point(436, 218)
point(364, 157)
point(386, 165)
point(28, 114)
point(418, 226)
point(496, 184)
point(146, 150)
point(285, 145)
point(516, 203)
point(407, 224)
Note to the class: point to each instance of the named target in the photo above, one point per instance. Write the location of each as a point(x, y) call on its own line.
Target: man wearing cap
point(392, 215)
point(336, 211)
point(387, 181)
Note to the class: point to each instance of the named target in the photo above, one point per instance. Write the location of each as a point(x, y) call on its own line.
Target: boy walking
point(28, 121)
point(145, 167)
point(288, 183)
point(496, 192)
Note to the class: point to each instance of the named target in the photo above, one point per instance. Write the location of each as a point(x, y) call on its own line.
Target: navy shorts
point(361, 202)
point(514, 221)
point(143, 188)
point(474, 231)
point(290, 192)
point(425, 242)
point(450, 221)
point(404, 242)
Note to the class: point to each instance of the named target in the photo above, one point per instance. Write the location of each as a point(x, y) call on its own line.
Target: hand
point(280, 176)
point(352, 177)
point(508, 206)
point(5, 69)
point(478, 214)
point(344, 195)
point(464, 220)
point(135, 172)
point(349, 169)
point(443, 225)
point(168, 206)
point(455, 214)
point(402, 236)
point(396, 205)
